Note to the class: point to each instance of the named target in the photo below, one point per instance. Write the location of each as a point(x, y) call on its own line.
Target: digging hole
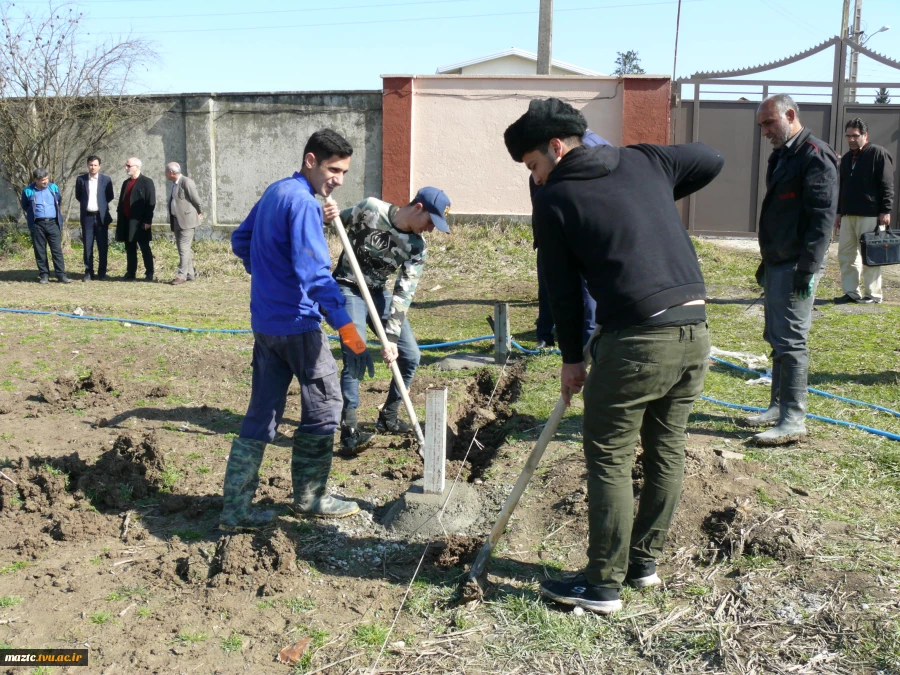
point(491, 420)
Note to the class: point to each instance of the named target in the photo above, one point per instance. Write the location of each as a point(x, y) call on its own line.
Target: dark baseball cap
point(437, 204)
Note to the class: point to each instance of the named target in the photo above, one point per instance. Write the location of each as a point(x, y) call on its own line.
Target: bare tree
point(62, 93)
point(882, 95)
point(628, 63)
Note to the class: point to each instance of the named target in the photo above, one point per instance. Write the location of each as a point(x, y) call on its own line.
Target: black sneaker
point(866, 300)
point(642, 575)
point(392, 425)
point(128, 277)
point(86, 277)
point(354, 441)
point(543, 345)
point(578, 592)
point(844, 300)
point(44, 279)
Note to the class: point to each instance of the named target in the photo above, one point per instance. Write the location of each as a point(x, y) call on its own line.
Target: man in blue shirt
point(282, 245)
point(40, 201)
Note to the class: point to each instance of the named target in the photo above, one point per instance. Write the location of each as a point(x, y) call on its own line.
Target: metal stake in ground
point(473, 589)
point(376, 323)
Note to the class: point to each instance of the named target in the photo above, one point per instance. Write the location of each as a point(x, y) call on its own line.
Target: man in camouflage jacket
point(387, 241)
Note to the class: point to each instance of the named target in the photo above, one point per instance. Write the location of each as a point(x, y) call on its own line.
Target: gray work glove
point(358, 364)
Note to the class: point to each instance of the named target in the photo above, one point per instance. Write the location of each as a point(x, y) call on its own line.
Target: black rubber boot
point(353, 441)
point(791, 427)
point(389, 420)
point(770, 417)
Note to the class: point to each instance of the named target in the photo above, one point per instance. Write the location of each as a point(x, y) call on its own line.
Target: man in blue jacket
point(94, 192)
point(282, 245)
point(40, 201)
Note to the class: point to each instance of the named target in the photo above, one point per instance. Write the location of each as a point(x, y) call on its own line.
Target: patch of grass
point(265, 604)
point(12, 568)
point(546, 629)
point(194, 455)
point(370, 634)
point(96, 560)
point(202, 470)
point(300, 604)
point(339, 477)
point(144, 612)
point(100, 618)
point(169, 477)
point(127, 593)
point(187, 637)
point(9, 601)
point(234, 643)
point(317, 637)
point(187, 535)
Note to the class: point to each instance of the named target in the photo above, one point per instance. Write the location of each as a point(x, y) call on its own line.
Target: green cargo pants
point(643, 381)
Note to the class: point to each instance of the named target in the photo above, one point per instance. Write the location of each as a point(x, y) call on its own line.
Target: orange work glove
point(351, 338)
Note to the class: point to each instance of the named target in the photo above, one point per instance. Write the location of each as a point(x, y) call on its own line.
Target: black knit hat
point(546, 118)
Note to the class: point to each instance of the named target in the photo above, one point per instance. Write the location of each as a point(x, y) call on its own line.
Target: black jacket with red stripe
point(799, 209)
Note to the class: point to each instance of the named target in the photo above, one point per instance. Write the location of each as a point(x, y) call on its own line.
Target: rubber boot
point(310, 466)
point(353, 441)
point(770, 417)
point(241, 479)
point(389, 420)
point(791, 426)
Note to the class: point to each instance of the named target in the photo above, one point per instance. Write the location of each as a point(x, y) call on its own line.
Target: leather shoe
point(64, 279)
point(177, 281)
point(86, 277)
point(43, 279)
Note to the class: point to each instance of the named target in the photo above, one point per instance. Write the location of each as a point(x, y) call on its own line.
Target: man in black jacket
point(137, 201)
point(795, 225)
point(864, 205)
point(608, 214)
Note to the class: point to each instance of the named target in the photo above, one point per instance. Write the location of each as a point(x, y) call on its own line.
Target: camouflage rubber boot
point(310, 466)
point(389, 420)
point(241, 479)
point(770, 417)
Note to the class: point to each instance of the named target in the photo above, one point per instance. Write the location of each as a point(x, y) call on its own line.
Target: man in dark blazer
point(137, 200)
point(94, 192)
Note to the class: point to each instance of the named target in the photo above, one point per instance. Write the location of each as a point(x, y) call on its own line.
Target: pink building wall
point(447, 131)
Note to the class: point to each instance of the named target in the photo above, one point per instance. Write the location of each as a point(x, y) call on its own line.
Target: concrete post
point(502, 338)
point(435, 449)
point(545, 37)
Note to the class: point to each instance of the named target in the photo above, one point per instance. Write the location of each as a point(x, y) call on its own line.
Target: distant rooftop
point(510, 56)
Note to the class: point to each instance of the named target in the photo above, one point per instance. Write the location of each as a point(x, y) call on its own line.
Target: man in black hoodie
point(795, 224)
point(608, 214)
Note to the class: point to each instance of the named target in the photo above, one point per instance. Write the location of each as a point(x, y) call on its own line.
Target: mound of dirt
point(455, 551)
point(253, 562)
point(130, 470)
point(69, 386)
point(743, 529)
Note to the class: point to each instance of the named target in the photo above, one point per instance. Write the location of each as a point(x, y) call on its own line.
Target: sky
point(308, 45)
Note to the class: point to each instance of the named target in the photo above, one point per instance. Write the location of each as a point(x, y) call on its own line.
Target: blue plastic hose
point(829, 420)
point(817, 392)
point(747, 408)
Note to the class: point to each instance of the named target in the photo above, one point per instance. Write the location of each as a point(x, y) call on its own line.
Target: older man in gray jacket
point(184, 217)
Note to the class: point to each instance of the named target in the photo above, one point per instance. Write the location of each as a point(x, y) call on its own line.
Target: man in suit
point(184, 217)
point(94, 192)
point(137, 200)
point(41, 203)
point(795, 225)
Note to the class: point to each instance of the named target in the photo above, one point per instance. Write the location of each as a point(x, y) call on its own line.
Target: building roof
point(521, 53)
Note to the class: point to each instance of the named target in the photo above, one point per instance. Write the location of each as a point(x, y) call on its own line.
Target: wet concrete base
point(415, 514)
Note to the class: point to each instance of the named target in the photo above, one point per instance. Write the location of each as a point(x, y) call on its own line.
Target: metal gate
point(730, 206)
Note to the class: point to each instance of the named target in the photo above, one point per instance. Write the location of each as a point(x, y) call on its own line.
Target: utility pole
point(845, 22)
point(854, 55)
point(675, 60)
point(545, 37)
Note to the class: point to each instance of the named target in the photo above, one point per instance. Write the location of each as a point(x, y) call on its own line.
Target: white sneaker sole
point(596, 606)
point(645, 582)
